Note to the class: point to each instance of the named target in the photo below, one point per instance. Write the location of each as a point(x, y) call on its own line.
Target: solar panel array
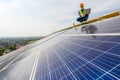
point(81, 58)
point(60, 57)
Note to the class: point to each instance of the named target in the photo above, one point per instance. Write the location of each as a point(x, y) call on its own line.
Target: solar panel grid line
point(115, 28)
point(15, 63)
point(88, 74)
point(5, 63)
point(44, 71)
point(99, 41)
point(10, 65)
point(63, 70)
point(66, 78)
point(61, 66)
point(116, 72)
point(68, 42)
point(81, 67)
point(28, 49)
point(98, 34)
point(79, 62)
point(21, 57)
point(93, 71)
point(51, 72)
point(24, 73)
point(80, 74)
point(9, 58)
point(47, 61)
point(115, 55)
point(19, 71)
point(96, 41)
point(11, 62)
point(112, 26)
point(80, 42)
point(14, 75)
point(8, 75)
point(94, 58)
point(58, 60)
point(46, 65)
point(56, 66)
point(71, 59)
point(109, 72)
point(107, 66)
point(116, 50)
point(101, 68)
point(16, 52)
point(67, 56)
point(58, 72)
point(95, 74)
point(107, 61)
point(92, 48)
point(40, 62)
point(20, 68)
point(111, 59)
point(44, 74)
point(51, 37)
point(65, 64)
point(32, 76)
point(108, 77)
point(86, 51)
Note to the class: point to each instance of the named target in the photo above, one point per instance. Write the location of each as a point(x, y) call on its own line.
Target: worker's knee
point(78, 19)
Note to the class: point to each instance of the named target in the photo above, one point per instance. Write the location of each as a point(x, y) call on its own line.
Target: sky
point(42, 17)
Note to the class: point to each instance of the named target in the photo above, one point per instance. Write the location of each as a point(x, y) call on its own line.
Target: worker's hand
point(82, 15)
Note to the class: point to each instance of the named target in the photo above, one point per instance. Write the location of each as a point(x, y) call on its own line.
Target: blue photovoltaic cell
point(116, 71)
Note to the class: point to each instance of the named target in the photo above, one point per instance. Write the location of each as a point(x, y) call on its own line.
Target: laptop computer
point(87, 11)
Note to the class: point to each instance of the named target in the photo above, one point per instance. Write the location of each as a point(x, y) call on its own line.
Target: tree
point(2, 51)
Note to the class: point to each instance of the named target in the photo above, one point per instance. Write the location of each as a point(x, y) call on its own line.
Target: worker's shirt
point(81, 12)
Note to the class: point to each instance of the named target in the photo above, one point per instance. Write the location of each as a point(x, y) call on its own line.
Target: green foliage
point(2, 51)
point(10, 47)
point(10, 44)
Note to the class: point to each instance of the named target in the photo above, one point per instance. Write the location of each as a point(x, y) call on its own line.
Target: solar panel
point(60, 57)
point(20, 70)
point(104, 26)
point(96, 61)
